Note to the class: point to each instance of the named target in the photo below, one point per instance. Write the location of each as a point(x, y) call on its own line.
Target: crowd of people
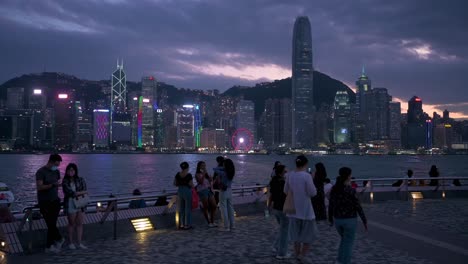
point(299, 199)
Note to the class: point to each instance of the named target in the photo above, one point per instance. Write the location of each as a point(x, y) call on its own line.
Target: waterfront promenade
point(419, 231)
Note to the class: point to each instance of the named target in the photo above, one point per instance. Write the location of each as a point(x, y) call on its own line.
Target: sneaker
point(52, 249)
point(59, 243)
point(82, 246)
point(71, 246)
point(287, 256)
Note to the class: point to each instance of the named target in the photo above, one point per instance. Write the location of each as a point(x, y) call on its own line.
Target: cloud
point(410, 47)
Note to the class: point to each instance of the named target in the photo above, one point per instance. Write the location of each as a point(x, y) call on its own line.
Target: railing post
point(407, 190)
point(115, 218)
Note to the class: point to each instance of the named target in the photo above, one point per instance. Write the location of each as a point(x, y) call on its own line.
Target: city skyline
point(423, 54)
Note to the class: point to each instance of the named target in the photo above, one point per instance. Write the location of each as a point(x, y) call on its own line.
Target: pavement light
point(142, 224)
point(417, 195)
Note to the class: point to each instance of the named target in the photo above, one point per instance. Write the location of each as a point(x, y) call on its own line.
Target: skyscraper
point(415, 111)
point(186, 127)
point(63, 108)
point(377, 123)
point(101, 128)
point(246, 116)
point(395, 121)
point(37, 100)
point(118, 99)
point(277, 125)
point(302, 84)
point(342, 118)
point(149, 92)
point(416, 126)
point(363, 85)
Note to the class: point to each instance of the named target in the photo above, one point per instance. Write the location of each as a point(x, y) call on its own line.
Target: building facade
point(342, 118)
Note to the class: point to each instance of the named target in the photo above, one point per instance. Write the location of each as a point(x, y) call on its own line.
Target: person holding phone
point(47, 184)
point(342, 212)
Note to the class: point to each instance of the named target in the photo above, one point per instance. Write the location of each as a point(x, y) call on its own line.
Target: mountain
point(325, 89)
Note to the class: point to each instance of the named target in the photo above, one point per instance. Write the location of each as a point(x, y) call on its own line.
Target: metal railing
point(114, 204)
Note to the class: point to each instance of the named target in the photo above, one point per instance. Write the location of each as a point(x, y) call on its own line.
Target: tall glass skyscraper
point(342, 120)
point(302, 84)
point(363, 85)
point(118, 100)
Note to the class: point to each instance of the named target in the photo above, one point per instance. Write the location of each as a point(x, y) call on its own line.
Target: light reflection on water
point(121, 173)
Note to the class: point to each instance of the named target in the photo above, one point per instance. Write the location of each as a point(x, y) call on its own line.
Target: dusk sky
point(410, 47)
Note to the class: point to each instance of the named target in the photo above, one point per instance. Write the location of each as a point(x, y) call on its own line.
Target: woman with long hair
point(318, 201)
point(184, 182)
point(302, 225)
point(342, 211)
point(225, 195)
point(74, 186)
point(205, 192)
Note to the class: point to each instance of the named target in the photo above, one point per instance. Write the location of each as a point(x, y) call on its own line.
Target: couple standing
point(47, 184)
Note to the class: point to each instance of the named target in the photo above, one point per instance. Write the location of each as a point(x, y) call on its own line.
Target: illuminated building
point(246, 116)
point(429, 134)
point(302, 84)
point(118, 102)
point(101, 127)
point(64, 122)
point(186, 127)
point(37, 100)
point(149, 93)
point(377, 122)
point(416, 133)
point(363, 85)
point(342, 118)
point(277, 123)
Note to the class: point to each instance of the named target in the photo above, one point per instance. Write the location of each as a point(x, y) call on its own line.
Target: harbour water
point(121, 173)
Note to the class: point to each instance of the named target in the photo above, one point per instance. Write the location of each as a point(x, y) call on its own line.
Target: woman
point(434, 173)
point(302, 225)
point(184, 181)
point(343, 209)
point(318, 201)
point(73, 186)
point(225, 194)
point(273, 172)
point(205, 193)
point(276, 201)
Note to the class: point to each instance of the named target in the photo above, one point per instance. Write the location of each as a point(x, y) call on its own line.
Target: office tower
point(118, 97)
point(186, 127)
point(377, 123)
point(213, 138)
point(416, 125)
point(149, 93)
point(37, 100)
point(277, 123)
point(363, 85)
point(101, 127)
point(429, 134)
point(302, 84)
point(15, 98)
point(64, 123)
point(342, 118)
point(443, 136)
point(246, 116)
point(83, 128)
point(395, 121)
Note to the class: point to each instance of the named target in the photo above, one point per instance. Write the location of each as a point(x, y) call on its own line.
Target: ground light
point(417, 195)
point(372, 196)
point(142, 224)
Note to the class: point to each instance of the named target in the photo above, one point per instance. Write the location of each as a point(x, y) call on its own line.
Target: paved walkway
point(392, 238)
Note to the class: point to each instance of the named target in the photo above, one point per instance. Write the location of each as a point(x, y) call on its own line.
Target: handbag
point(195, 199)
point(81, 201)
point(289, 207)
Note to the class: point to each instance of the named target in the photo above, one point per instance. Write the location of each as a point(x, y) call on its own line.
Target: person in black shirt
point(47, 184)
point(276, 201)
point(343, 209)
point(434, 172)
point(318, 201)
point(184, 181)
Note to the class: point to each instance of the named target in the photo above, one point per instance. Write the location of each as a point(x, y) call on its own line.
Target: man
point(47, 183)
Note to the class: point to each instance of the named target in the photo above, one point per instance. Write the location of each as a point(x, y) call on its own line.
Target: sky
point(417, 47)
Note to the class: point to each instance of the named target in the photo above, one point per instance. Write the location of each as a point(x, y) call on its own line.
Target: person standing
point(204, 192)
point(225, 194)
point(47, 183)
point(342, 212)
point(273, 172)
point(434, 173)
point(302, 225)
point(74, 186)
point(276, 201)
point(318, 201)
point(216, 172)
point(184, 181)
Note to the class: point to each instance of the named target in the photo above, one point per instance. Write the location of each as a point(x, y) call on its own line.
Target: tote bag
point(81, 201)
point(289, 207)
